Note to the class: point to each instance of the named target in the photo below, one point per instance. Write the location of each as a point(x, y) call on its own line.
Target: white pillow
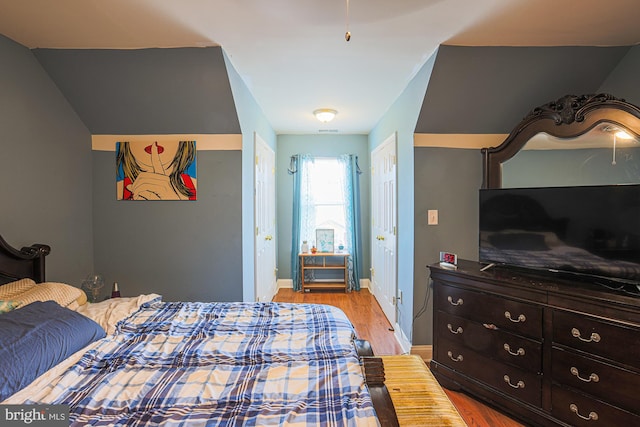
point(109, 312)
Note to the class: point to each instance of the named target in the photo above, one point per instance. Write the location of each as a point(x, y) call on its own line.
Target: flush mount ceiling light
point(325, 115)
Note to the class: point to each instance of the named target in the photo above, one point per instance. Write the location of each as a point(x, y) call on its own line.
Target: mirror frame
point(568, 117)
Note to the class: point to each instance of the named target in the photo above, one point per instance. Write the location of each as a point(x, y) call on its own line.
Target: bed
point(143, 361)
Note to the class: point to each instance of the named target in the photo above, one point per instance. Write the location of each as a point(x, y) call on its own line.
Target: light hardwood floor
point(361, 308)
point(371, 324)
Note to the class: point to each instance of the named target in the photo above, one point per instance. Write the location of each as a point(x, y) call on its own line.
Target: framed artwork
point(156, 170)
point(324, 239)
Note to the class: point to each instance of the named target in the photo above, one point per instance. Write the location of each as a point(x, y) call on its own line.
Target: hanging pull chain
point(347, 35)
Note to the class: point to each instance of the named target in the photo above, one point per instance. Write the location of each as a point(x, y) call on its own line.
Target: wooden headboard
point(27, 262)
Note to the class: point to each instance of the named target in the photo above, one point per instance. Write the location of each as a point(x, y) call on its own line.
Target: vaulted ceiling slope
point(471, 90)
point(484, 90)
point(292, 55)
point(145, 91)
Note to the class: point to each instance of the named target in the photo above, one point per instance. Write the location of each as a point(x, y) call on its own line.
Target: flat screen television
point(589, 232)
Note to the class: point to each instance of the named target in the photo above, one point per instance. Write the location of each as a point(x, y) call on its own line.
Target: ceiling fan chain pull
point(347, 35)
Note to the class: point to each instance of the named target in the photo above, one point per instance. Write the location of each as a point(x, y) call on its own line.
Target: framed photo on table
point(324, 240)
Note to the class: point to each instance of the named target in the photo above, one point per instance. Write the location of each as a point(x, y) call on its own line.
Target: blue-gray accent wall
point(623, 80)
point(490, 89)
point(447, 180)
point(46, 172)
point(182, 250)
point(145, 91)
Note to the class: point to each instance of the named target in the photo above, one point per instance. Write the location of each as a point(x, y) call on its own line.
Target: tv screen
point(592, 232)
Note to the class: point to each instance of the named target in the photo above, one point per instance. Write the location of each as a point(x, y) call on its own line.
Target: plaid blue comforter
point(221, 364)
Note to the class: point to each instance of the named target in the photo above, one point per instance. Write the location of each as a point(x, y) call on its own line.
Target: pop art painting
point(152, 170)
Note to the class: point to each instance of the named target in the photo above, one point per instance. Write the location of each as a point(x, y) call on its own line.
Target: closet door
point(265, 221)
point(384, 226)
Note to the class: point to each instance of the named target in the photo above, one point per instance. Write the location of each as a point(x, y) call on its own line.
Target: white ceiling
point(293, 56)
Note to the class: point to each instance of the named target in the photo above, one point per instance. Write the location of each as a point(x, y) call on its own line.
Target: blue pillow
point(38, 336)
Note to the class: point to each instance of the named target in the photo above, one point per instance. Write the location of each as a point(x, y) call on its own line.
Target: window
point(327, 198)
point(326, 194)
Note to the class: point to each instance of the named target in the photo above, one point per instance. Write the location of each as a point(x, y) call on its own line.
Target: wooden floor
point(371, 324)
point(361, 308)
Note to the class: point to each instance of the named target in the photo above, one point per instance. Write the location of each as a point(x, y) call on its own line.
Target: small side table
point(307, 287)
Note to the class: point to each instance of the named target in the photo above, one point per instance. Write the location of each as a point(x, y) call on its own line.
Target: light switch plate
point(432, 217)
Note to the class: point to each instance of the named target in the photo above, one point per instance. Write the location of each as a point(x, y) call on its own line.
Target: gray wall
point(145, 91)
point(46, 167)
point(188, 251)
point(623, 81)
point(183, 250)
point(318, 145)
point(490, 89)
point(447, 180)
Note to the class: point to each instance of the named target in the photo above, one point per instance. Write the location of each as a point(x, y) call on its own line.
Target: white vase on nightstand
point(305, 247)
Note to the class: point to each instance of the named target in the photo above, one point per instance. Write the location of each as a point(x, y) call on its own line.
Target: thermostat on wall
point(448, 260)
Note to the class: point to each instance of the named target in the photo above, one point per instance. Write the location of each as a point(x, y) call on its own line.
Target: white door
point(265, 221)
point(384, 226)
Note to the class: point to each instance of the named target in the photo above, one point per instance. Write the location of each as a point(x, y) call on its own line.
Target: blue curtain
point(353, 218)
point(303, 218)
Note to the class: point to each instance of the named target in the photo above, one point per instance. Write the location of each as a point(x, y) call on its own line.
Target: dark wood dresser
point(547, 351)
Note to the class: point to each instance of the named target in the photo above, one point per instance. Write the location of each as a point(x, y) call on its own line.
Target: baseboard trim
point(424, 351)
point(401, 338)
point(284, 283)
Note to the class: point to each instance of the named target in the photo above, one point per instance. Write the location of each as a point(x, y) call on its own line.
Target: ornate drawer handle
point(458, 358)
point(454, 331)
point(592, 415)
point(595, 337)
point(521, 318)
point(458, 302)
point(490, 326)
point(507, 380)
point(593, 377)
point(519, 352)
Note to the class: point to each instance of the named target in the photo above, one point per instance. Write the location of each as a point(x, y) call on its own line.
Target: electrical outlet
point(432, 217)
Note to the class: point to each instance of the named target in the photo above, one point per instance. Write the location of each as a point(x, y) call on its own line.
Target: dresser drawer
point(610, 383)
point(519, 317)
point(613, 341)
point(579, 410)
point(518, 383)
point(506, 347)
